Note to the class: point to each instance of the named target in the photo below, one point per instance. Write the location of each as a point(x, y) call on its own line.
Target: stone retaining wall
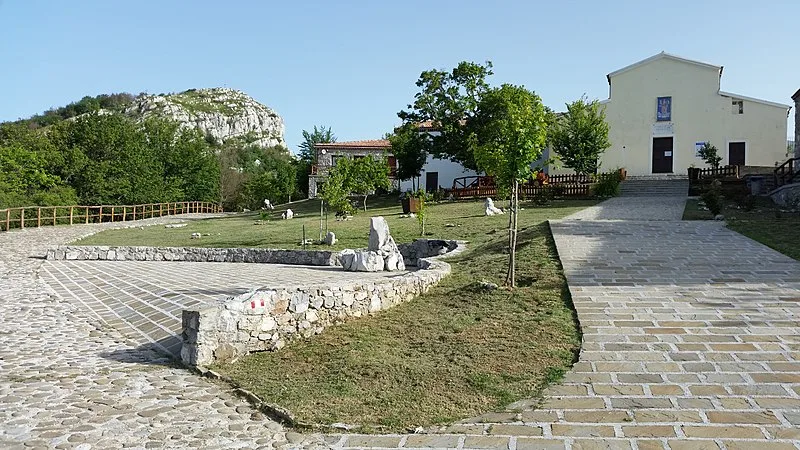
point(269, 318)
point(421, 248)
point(195, 254)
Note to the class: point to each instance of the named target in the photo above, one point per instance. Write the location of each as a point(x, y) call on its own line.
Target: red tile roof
point(370, 143)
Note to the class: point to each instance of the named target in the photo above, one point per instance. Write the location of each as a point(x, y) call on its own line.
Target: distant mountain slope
point(221, 113)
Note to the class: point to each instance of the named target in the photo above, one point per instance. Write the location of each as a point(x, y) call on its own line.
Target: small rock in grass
point(719, 217)
point(488, 285)
point(449, 225)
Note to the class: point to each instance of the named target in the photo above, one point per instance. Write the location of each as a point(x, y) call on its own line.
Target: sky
point(352, 65)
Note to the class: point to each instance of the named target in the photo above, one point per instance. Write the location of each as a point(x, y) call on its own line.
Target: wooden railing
point(525, 191)
point(570, 178)
point(720, 172)
point(38, 216)
point(787, 172)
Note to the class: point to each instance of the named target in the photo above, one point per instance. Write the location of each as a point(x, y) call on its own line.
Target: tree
point(448, 101)
point(361, 176)
point(708, 153)
point(367, 175)
point(580, 136)
point(410, 147)
point(319, 135)
point(509, 133)
point(307, 155)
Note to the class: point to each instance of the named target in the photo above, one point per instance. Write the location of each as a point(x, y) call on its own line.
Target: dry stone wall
point(269, 318)
point(246, 255)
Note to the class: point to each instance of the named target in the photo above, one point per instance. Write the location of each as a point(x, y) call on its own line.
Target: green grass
point(452, 353)
point(242, 231)
point(765, 223)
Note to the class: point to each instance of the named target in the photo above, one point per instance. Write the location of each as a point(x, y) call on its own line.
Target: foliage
point(509, 134)
point(448, 101)
point(105, 158)
point(580, 136)
point(607, 184)
point(411, 148)
point(321, 135)
point(273, 178)
point(361, 176)
point(709, 154)
point(713, 197)
point(307, 155)
point(113, 102)
point(422, 208)
point(334, 191)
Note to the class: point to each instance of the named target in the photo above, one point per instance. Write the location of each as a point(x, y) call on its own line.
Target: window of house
point(334, 159)
point(738, 106)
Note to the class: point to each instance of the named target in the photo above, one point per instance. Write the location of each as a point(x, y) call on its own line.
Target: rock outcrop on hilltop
point(221, 113)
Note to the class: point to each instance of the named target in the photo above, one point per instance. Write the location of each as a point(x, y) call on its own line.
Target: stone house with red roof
point(327, 154)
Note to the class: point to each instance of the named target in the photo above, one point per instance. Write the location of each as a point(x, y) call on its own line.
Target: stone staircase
point(648, 187)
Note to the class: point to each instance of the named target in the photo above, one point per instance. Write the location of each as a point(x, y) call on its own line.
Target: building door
point(662, 155)
point(736, 153)
point(431, 181)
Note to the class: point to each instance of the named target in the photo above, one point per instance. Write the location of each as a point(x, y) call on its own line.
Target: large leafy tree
point(411, 148)
point(361, 176)
point(580, 136)
point(448, 101)
point(509, 133)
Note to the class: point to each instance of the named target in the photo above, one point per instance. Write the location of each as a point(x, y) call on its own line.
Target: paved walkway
point(144, 299)
point(691, 341)
point(68, 381)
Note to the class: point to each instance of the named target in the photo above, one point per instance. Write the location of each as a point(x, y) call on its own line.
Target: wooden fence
point(720, 172)
point(38, 216)
point(525, 191)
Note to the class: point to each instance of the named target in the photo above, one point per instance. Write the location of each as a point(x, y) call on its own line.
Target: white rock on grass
point(491, 210)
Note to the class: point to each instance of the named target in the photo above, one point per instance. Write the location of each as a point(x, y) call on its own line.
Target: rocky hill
point(219, 112)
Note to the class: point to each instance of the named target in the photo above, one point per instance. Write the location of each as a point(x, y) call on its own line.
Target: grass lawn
point(450, 354)
point(765, 223)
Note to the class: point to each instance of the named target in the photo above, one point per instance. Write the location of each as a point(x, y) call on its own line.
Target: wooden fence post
point(124, 212)
point(71, 210)
point(8, 219)
point(87, 214)
point(160, 210)
point(22, 218)
point(112, 213)
point(55, 208)
point(38, 217)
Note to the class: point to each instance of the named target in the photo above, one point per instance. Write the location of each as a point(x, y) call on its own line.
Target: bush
point(713, 197)
point(607, 184)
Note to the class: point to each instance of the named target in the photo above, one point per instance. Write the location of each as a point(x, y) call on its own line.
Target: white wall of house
point(700, 113)
point(447, 171)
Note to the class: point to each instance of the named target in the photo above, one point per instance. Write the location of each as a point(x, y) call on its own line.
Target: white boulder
point(491, 210)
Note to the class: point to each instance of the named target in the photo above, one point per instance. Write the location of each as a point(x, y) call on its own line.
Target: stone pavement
point(690, 332)
point(68, 381)
point(690, 341)
point(144, 299)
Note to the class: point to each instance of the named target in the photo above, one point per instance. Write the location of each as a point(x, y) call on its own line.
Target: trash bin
point(756, 182)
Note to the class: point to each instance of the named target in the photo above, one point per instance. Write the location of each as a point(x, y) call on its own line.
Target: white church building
point(662, 109)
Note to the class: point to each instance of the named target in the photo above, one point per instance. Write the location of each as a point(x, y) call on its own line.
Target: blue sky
point(352, 64)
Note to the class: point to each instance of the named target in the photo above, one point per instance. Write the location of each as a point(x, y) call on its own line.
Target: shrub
point(607, 184)
point(713, 197)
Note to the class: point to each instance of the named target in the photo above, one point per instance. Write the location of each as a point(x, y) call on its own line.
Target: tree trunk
point(365, 202)
point(512, 235)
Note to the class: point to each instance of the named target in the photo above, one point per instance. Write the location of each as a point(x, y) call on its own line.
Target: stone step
point(654, 187)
